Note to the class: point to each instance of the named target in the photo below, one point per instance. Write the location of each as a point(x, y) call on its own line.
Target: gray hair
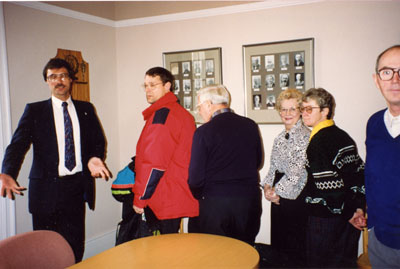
point(217, 94)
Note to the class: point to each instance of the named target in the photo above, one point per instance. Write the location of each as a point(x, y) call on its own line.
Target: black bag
point(133, 226)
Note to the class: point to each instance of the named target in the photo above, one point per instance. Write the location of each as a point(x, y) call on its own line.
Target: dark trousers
point(331, 243)
point(236, 217)
point(69, 223)
point(288, 230)
point(170, 226)
point(68, 214)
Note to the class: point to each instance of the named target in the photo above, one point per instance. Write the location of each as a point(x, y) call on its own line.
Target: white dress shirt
point(392, 124)
point(59, 123)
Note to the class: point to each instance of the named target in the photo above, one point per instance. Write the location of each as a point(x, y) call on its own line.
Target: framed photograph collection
point(193, 70)
point(270, 68)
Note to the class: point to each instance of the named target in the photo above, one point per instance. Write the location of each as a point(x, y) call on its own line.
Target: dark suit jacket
point(226, 155)
point(37, 127)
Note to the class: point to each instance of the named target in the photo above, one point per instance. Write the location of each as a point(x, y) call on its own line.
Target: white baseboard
point(99, 244)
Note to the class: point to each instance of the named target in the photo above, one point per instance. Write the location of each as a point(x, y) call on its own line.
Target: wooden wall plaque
point(80, 87)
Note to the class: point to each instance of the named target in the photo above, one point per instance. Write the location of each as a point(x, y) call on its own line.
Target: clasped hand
point(358, 220)
point(270, 194)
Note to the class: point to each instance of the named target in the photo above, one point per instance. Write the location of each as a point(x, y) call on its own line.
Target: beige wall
point(348, 36)
point(32, 39)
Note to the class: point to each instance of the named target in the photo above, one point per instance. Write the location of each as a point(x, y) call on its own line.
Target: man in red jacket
point(163, 154)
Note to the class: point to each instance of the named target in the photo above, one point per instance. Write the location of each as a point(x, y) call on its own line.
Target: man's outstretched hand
point(97, 168)
point(9, 187)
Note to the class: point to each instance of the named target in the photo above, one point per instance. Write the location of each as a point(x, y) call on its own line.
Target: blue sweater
point(382, 176)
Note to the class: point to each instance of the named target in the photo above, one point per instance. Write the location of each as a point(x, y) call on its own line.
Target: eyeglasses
point(308, 109)
point(54, 77)
point(150, 86)
point(388, 73)
point(291, 110)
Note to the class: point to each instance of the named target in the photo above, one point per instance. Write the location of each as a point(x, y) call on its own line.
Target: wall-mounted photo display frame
point(193, 70)
point(270, 68)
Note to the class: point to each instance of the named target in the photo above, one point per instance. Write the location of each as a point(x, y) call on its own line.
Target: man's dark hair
point(380, 56)
point(57, 63)
point(164, 75)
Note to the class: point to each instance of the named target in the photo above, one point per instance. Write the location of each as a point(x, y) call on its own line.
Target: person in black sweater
point(335, 192)
point(224, 169)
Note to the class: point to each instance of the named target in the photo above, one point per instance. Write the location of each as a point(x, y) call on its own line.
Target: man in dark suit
point(223, 173)
point(68, 151)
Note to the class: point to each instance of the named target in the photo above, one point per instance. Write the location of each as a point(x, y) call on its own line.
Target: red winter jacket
point(162, 160)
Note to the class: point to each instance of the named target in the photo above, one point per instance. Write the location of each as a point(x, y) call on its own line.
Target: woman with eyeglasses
point(335, 187)
point(285, 181)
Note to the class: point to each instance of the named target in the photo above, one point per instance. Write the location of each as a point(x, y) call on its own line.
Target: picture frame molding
point(262, 62)
point(193, 70)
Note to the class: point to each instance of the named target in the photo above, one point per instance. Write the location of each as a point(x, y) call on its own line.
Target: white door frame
point(7, 207)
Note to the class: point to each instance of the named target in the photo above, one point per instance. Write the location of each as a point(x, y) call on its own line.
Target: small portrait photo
point(255, 63)
point(257, 101)
point(256, 82)
point(187, 102)
point(299, 80)
point(175, 68)
point(269, 62)
point(197, 68)
point(210, 81)
point(187, 87)
point(177, 88)
point(284, 80)
point(299, 60)
point(271, 101)
point(284, 61)
point(210, 67)
point(270, 82)
point(186, 68)
point(198, 84)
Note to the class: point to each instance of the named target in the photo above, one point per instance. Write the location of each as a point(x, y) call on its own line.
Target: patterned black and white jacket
point(288, 156)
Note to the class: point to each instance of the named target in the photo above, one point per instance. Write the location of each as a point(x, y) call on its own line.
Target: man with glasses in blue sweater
point(382, 171)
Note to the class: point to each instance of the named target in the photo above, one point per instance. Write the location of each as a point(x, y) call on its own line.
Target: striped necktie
point(69, 139)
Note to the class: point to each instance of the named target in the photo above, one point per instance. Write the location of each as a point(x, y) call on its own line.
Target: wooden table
point(188, 250)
